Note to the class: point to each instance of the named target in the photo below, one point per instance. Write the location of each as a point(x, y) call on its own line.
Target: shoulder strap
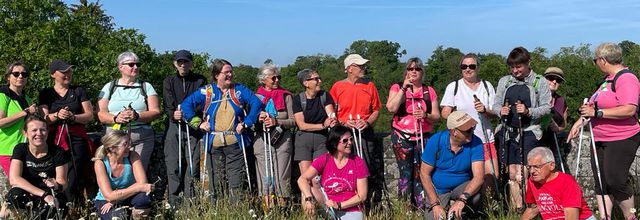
point(427, 98)
point(303, 100)
point(207, 102)
point(455, 89)
point(486, 87)
point(112, 88)
point(615, 78)
point(437, 150)
point(323, 99)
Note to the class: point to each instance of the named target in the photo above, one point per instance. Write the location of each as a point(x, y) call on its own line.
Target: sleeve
point(375, 103)
point(544, 96)
point(43, 99)
point(432, 94)
point(627, 90)
point(104, 92)
point(528, 197)
point(82, 92)
point(361, 168)
point(334, 92)
point(189, 105)
point(4, 103)
point(499, 97)
point(296, 105)
point(19, 152)
point(319, 163)
point(62, 157)
point(169, 99)
point(430, 149)
point(394, 87)
point(448, 99)
point(287, 122)
point(477, 152)
point(492, 95)
point(254, 103)
point(572, 194)
point(149, 89)
point(329, 100)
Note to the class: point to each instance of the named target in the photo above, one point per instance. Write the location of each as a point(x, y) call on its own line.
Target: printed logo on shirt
point(238, 93)
point(547, 204)
point(350, 171)
point(38, 165)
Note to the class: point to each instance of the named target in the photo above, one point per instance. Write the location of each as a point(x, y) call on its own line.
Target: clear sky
point(249, 32)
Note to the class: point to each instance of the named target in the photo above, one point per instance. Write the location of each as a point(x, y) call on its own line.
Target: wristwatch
point(599, 113)
point(310, 199)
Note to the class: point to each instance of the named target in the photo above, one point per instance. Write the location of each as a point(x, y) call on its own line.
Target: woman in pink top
point(343, 178)
point(612, 110)
point(415, 109)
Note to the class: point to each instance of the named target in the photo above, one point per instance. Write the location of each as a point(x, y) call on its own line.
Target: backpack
point(484, 83)
point(303, 100)
point(143, 91)
point(426, 96)
point(209, 97)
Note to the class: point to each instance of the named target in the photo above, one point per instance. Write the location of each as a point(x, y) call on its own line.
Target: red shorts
point(490, 146)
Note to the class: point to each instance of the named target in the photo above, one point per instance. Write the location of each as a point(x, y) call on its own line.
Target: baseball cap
point(460, 120)
point(58, 65)
point(183, 55)
point(354, 58)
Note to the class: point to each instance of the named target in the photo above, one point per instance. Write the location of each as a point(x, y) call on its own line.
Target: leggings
point(615, 158)
point(408, 158)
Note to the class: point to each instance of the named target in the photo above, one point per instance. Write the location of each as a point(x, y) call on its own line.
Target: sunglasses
point(414, 69)
point(345, 140)
point(471, 66)
point(17, 74)
point(181, 62)
point(554, 78)
point(595, 60)
point(317, 79)
point(278, 77)
point(132, 64)
point(470, 130)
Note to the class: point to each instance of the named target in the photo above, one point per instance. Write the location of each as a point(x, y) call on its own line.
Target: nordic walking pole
point(179, 147)
point(555, 139)
point(421, 134)
point(415, 123)
point(595, 158)
point(360, 137)
point(504, 167)
point(580, 141)
point(271, 168)
point(246, 165)
point(353, 130)
point(522, 174)
point(486, 137)
point(188, 147)
point(266, 161)
point(324, 195)
point(205, 146)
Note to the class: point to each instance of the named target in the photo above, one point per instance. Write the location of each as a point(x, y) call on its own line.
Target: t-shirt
point(32, 166)
point(340, 184)
point(73, 99)
point(10, 136)
point(627, 91)
point(405, 123)
point(451, 170)
point(464, 100)
point(123, 96)
point(352, 99)
point(553, 196)
point(314, 113)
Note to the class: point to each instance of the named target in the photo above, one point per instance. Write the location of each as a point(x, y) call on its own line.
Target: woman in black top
point(38, 174)
point(67, 109)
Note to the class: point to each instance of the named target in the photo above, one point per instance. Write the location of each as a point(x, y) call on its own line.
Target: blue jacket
point(241, 96)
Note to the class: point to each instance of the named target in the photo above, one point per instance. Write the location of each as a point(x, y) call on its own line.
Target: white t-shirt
point(464, 102)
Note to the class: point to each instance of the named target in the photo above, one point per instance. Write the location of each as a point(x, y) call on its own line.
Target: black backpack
point(484, 83)
point(303, 100)
point(141, 86)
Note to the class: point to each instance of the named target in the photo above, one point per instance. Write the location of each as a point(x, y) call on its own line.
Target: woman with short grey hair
point(611, 112)
point(273, 158)
point(314, 114)
point(130, 104)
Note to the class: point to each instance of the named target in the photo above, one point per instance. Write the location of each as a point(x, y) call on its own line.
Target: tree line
point(38, 31)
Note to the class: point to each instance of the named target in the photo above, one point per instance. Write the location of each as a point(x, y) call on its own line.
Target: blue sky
point(249, 32)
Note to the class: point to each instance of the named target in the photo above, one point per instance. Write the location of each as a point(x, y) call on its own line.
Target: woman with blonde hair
point(121, 178)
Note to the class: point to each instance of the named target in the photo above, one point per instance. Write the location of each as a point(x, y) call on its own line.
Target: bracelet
point(433, 205)
point(136, 116)
point(56, 115)
point(115, 117)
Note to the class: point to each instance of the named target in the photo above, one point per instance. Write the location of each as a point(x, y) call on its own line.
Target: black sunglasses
point(470, 130)
point(554, 78)
point(414, 69)
point(471, 66)
point(595, 60)
point(17, 74)
point(345, 140)
point(317, 79)
point(278, 77)
point(132, 64)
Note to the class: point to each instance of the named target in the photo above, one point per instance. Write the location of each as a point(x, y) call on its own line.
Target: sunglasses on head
point(278, 77)
point(317, 79)
point(132, 64)
point(414, 69)
point(470, 66)
point(17, 74)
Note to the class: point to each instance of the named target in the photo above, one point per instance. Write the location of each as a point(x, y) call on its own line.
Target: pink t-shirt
point(405, 123)
point(553, 196)
point(340, 184)
point(627, 91)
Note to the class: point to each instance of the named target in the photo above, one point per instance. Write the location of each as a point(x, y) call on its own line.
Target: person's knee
point(141, 201)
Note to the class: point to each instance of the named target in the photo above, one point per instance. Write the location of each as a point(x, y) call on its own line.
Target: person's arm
point(498, 99)
point(153, 111)
point(104, 116)
point(446, 111)
point(169, 99)
point(304, 183)
point(8, 121)
point(287, 121)
point(571, 213)
point(16, 179)
point(255, 107)
point(435, 108)
point(531, 212)
point(477, 167)
point(396, 95)
point(544, 108)
point(359, 198)
point(303, 126)
point(86, 116)
point(61, 175)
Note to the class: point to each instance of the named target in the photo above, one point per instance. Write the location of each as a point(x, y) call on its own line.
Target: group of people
point(46, 152)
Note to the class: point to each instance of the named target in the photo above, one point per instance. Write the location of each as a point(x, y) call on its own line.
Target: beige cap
point(554, 71)
point(460, 120)
point(354, 58)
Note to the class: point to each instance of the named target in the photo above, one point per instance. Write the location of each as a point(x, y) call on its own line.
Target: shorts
point(309, 145)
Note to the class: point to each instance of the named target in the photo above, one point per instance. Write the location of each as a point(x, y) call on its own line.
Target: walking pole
point(246, 165)
point(360, 138)
point(505, 150)
point(180, 147)
point(188, 147)
point(205, 146)
point(595, 158)
point(353, 130)
point(266, 161)
point(421, 132)
point(65, 126)
point(415, 123)
point(271, 167)
point(522, 174)
point(580, 141)
point(332, 212)
point(555, 139)
point(486, 137)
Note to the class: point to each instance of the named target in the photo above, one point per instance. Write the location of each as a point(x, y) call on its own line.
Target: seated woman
point(38, 174)
point(121, 178)
point(344, 178)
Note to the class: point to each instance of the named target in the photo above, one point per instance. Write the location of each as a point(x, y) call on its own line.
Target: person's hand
point(351, 123)
point(419, 113)
point(331, 204)
point(125, 116)
point(145, 187)
point(177, 115)
point(408, 84)
point(270, 122)
point(587, 111)
point(240, 128)
point(64, 113)
point(573, 133)
point(327, 122)
point(105, 208)
point(361, 124)
point(205, 126)
point(504, 111)
point(456, 209)
point(263, 115)
point(521, 108)
point(309, 208)
point(32, 109)
point(51, 183)
point(438, 212)
point(480, 108)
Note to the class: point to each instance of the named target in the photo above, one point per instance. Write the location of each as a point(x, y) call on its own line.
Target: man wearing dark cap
point(182, 169)
point(453, 168)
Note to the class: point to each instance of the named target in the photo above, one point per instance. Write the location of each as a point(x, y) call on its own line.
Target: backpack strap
point(426, 96)
point(208, 98)
point(455, 88)
point(323, 99)
point(486, 87)
point(615, 78)
point(303, 100)
point(142, 87)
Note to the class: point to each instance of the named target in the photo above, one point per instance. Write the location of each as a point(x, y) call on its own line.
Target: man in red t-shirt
point(551, 193)
point(356, 96)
